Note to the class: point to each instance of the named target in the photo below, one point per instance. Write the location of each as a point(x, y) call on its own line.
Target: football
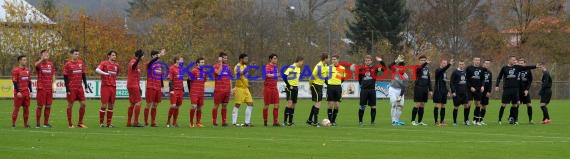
point(326, 122)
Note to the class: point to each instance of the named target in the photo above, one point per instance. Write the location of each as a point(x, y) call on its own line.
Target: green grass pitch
point(345, 141)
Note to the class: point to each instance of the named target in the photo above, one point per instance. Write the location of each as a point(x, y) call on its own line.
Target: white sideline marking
point(306, 140)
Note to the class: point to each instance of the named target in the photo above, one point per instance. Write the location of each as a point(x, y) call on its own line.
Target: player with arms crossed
point(22, 89)
point(73, 74)
point(44, 88)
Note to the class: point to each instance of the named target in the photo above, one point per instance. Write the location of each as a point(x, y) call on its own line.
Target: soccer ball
point(326, 122)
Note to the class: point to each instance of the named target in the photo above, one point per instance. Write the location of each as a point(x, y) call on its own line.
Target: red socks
point(15, 114)
point(145, 116)
point(170, 112)
point(109, 116)
point(192, 112)
point(137, 113)
point(214, 116)
point(175, 116)
point(47, 112)
point(81, 114)
point(265, 114)
point(101, 115)
point(26, 115)
point(198, 116)
point(38, 114)
point(275, 115)
point(129, 114)
point(69, 113)
point(224, 117)
point(153, 115)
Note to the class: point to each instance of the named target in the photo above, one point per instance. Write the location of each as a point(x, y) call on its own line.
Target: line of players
point(473, 83)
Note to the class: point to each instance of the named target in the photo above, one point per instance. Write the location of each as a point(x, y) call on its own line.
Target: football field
point(347, 140)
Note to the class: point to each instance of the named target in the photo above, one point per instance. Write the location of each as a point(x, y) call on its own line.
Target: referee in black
point(511, 87)
point(422, 89)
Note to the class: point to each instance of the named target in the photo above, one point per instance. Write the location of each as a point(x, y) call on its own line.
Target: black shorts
point(368, 97)
point(334, 93)
point(545, 96)
point(292, 94)
point(421, 94)
point(459, 99)
point(484, 99)
point(316, 92)
point(524, 99)
point(474, 95)
point(510, 95)
point(440, 97)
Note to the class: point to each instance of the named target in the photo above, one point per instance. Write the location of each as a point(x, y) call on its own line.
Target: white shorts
point(394, 93)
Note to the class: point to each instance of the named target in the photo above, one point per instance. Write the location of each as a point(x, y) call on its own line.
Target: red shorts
point(176, 98)
point(108, 94)
point(221, 97)
point(24, 101)
point(44, 97)
point(135, 95)
point(197, 100)
point(153, 96)
point(77, 94)
point(270, 96)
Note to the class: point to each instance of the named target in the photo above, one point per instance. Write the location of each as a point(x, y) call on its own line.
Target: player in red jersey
point(108, 69)
point(44, 88)
point(134, 88)
point(22, 90)
point(154, 80)
point(73, 74)
point(196, 88)
point(176, 87)
point(270, 92)
point(222, 89)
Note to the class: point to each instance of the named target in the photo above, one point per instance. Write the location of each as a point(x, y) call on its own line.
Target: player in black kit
point(510, 88)
point(458, 85)
point(440, 92)
point(488, 84)
point(545, 94)
point(422, 89)
point(524, 93)
point(475, 80)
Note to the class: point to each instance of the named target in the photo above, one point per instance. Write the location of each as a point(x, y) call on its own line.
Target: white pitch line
point(299, 139)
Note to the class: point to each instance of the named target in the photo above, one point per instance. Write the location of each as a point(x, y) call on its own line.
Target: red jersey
point(46, 71)
point(154, 74)
point(74, 71)
point(133, 76)
point(113, 69)
point(270, 82)
point(223, 83)
point(197, 84)
point(176, 78)
point(21, 76)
